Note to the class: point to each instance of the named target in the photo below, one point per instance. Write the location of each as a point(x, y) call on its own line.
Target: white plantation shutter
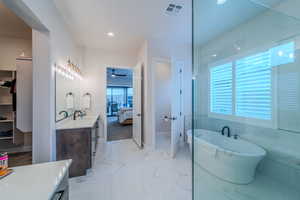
point(253, 86)
point(221, 89)
point(243, 88)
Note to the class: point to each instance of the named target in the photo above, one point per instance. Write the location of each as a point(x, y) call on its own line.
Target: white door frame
point(105, 96)
point(43, 145)
point(139, 68)
point(155, 60)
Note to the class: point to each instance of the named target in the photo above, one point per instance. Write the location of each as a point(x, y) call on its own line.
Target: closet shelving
point(6, 106)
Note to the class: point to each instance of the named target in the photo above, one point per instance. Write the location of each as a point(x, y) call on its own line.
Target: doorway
point(163, 105)
point(16, 88)
point(168, 112)
point(119, 103)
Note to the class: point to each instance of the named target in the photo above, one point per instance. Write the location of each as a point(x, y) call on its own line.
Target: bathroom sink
point(85, 122)
point(88, 118)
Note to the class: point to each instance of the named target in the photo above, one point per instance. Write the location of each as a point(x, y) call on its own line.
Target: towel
point(70, 102)
point(86, 101)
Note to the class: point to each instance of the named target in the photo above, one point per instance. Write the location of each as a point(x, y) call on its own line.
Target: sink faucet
point(65, 113)
point(75, 114)
point(228, 131)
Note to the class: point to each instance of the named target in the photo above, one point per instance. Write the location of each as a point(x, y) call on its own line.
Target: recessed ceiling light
point(214, 55)
point(110, 34)
point(220, 2)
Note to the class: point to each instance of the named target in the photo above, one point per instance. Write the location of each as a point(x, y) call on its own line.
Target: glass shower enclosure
point(246, 100)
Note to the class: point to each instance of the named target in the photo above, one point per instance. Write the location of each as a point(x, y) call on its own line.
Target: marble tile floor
point(163, 143)
point(124, 172)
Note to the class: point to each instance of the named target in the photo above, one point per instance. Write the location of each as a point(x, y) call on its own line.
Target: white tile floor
point(123, 172)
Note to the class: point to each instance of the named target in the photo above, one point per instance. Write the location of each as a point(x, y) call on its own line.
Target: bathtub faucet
point(228, 131)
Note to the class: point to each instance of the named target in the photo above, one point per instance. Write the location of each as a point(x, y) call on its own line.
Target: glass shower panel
point(246, 100)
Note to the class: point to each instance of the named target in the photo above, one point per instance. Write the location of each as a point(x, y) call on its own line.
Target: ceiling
point(119, 80)
point(216, 19)
point(11, 25)
point(132, 21)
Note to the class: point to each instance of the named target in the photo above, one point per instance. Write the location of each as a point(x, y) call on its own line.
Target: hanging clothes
point(13, 91)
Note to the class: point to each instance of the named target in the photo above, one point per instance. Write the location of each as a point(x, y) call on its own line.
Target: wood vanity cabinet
point(80, 145)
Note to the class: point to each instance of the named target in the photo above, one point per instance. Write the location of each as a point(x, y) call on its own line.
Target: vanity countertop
point(34, 182)
point(87, 121)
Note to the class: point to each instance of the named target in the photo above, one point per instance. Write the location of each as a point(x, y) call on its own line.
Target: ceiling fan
point(114, 74)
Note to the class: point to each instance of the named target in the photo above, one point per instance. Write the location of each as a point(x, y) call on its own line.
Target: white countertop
point(34, 182)
point(84, 122)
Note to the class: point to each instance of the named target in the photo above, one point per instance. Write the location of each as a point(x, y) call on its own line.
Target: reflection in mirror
point(67, 95)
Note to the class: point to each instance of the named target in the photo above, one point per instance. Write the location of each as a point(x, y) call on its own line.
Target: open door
point(137, 105)
point(176, 105)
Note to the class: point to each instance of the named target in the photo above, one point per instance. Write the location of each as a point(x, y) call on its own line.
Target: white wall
point(163, 96)
point(43, 133)
point(11, 48)
point(278, 29)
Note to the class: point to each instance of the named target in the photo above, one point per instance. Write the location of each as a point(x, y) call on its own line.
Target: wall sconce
point(69, 71)
point(74, 70)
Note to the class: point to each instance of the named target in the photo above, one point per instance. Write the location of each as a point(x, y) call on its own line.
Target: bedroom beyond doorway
point(119, 103)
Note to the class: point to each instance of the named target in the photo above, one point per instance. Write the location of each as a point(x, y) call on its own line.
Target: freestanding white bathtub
point(233, 160)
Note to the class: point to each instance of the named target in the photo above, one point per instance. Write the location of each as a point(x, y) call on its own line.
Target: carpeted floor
point(116, 131)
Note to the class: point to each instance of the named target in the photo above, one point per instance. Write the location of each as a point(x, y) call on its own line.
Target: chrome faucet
point(228, 131)
point(66, 114)
point(75, 114)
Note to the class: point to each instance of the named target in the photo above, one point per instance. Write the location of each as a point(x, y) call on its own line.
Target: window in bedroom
point(118, 97)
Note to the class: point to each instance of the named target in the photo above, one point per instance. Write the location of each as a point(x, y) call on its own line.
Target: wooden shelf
point(7, 69)
point(6, 121)
point(6, 138)
point(6, 74)
point(5, 104)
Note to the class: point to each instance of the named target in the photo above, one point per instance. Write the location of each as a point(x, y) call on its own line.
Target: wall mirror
point(67, 94)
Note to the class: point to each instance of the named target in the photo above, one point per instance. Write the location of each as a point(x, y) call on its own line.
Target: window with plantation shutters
point(243, 88)
point(221, 89)
point(253, 86)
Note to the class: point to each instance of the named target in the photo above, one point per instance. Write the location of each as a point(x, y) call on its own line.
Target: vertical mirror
point(67, 94)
